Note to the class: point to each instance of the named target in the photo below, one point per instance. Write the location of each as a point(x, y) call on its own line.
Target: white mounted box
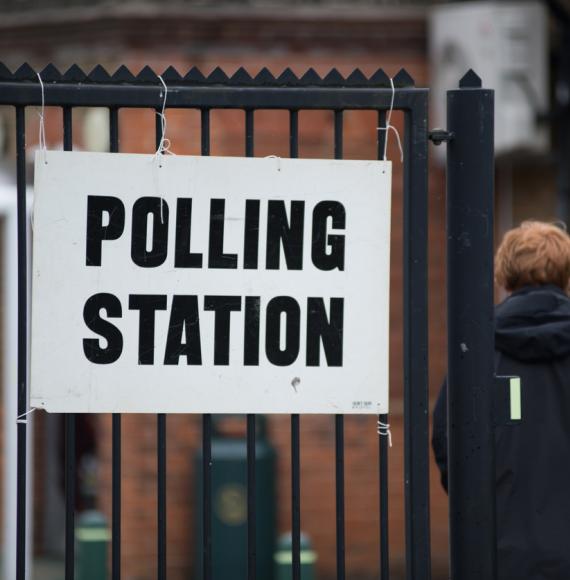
point(506, 44)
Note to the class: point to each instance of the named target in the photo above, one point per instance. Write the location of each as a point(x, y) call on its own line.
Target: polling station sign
point(209, 284)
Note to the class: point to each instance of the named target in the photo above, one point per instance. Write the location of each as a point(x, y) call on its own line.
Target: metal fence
point(242, 92)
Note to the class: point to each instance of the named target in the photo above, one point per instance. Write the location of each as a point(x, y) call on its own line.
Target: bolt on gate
point(469, 176)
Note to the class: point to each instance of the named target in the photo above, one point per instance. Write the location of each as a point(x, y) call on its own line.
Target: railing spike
point(380, 79)
point(470, 80)
point(403, 79)
point(241, 77)
point(334, 78)
point(288, 77)
point(123, 75)
point(50, 74)
point(217, 76)
point(26, 73)
point(74, 74)
point(357, 78)
point(311, 78)
point(195, 76)
point(171, 75)
point(265, 77)
point(147, 75)
point(99, 75)
point(5, 73)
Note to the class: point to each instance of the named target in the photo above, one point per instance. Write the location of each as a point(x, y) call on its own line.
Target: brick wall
point(303, 43)
point(317, 433)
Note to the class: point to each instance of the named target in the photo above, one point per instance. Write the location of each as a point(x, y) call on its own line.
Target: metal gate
point(287, 92)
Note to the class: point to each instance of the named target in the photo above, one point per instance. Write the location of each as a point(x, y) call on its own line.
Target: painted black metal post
point(22, 385)
point(470, 172)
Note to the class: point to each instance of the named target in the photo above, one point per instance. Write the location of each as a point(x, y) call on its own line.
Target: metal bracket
point(508, 401)
point(438, 136)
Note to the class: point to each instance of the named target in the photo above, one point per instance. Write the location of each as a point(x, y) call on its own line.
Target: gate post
point(470, 175)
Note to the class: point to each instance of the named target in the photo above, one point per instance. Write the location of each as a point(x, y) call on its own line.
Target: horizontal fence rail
point(335, 93)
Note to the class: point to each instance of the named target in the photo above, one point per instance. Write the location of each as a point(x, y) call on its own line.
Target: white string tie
point(42, 135)
point(275, 157)
point(389, 127)
point(164, 143)
point(384, 431)
point(22, 419)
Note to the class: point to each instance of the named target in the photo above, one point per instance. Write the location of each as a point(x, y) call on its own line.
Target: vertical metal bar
point(70, 466)
point(381, 133)
point(383, 475)
point(251, 511)
point(338, 136)
point(251, 507)
point(70, 496)
point(470, 172)
point(416, 394)
point(295, 423)
point(161, 464)
point(67, 129)
point(383, 441)
point(207, 496)
point(295, 498)
point(114, 129)
point(206, 423)
point(294, 134)
point(116, 498)
point(339, 419)
point(205, 137)
point(161, 452)
point(158, 127)
point(116, 425)
point(249, 133)
point(22, 343)
point(339, 448)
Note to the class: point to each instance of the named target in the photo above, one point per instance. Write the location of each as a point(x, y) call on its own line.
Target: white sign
point(208, 284)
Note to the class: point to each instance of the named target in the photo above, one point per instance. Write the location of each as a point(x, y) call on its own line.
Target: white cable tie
point(384, 431)
point(389, 126)
point(42, 135)
point(22, 419)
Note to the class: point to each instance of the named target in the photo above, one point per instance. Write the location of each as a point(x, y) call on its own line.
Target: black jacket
point(532, 340)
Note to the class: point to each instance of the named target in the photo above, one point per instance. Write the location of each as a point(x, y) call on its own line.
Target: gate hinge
point(438, 136)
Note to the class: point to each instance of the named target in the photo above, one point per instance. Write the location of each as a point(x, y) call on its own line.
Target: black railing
point(290, 93)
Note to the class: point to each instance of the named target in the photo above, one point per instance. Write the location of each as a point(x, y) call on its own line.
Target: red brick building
point(276, 35)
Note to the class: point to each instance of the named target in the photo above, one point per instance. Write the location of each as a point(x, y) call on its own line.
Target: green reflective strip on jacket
point(516, 405)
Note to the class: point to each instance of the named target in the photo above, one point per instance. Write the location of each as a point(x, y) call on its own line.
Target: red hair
point(534, 254)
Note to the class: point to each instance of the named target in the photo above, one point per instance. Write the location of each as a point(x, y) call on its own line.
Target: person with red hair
point(532, 341)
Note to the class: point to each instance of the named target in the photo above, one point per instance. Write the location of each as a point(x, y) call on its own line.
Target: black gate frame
point(287, 92)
